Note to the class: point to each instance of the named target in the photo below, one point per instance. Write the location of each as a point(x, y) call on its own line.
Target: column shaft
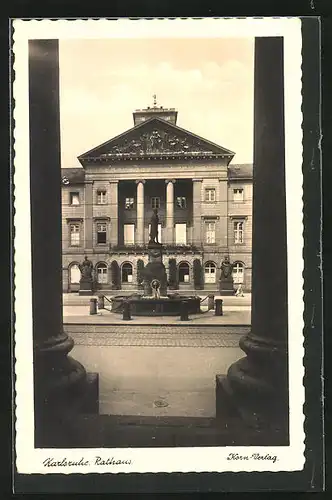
point(258, 383)
point(113, 211)
point(60, 382)
point(140, 213)
point(170, 212)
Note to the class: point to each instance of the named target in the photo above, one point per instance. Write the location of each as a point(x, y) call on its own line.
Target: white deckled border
point(201, 459)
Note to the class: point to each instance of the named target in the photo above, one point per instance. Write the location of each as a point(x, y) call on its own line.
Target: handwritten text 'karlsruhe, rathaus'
point(64, 462)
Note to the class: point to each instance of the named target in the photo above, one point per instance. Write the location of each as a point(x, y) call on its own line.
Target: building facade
point(204, 205)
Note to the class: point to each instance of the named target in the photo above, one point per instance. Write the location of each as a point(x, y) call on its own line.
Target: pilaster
point(114, 212)
point(223, 211)
point(88, 216)
point(197, 212)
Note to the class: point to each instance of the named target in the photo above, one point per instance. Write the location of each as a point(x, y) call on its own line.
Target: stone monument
point(86, 281)
point(155, 269)
point(226, 282)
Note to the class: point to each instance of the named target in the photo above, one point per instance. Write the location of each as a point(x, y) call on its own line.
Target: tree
point(115, 275)
point(198, 274)
point(172, 274)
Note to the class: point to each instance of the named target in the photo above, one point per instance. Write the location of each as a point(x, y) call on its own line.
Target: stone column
point(223, 211)
point(113, 211)
point(197, 224)
point(60, 382)
point(88, 217)
point(256, 386)
point(140, 213)
point(169, 211)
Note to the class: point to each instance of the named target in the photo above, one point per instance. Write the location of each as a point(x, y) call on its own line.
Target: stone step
point(112, 431)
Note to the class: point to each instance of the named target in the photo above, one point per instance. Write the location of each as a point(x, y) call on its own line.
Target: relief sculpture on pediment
point(158, 141)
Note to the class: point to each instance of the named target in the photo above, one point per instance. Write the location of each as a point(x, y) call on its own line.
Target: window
point(180, 234)
point(101, 233)
point(238, 272)
point(210, 194)
point(75, 274)
point(129, 203)
point(155, 202)
point(102, 273)
point(210, 232)
point(184, 272)
point(181, 202)
point(127, 273)
point(210, 272)
point(129, 234)
point(74, 198)
point(74, 235)
point(159, 233)
point(238, 232)
point(101, 197)
point(238, 194)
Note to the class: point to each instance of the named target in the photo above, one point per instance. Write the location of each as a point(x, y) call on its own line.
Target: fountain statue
point(155, 301)
point(226, 282)
point(86, 281)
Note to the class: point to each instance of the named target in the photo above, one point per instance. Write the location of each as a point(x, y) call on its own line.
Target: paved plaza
point(157, 381)
point(154, 335)
point(157, 366)
point(236, 311)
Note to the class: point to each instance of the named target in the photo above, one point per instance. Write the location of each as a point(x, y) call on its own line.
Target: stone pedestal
point(86, 287)
point(155, 268)
point(62, 388)
point(256, 387)
point(226, 286)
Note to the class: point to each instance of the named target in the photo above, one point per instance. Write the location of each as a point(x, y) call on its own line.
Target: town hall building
point(204, 204)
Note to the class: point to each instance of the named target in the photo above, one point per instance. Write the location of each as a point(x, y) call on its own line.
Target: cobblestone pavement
point(155, 336)
point(233, 315)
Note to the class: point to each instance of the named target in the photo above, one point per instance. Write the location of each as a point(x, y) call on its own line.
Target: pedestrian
point(239, 291)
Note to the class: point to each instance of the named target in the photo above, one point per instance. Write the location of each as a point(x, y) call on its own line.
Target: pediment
point(155, 138)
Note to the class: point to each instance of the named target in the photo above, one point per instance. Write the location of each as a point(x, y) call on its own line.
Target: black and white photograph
point(158, 246)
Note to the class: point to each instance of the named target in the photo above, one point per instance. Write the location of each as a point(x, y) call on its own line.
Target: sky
point(209, 82)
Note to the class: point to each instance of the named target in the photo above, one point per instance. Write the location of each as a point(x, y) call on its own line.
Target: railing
point(165, 246)
point(202, 300)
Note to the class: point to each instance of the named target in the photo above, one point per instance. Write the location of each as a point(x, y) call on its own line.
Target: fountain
point(155, 301)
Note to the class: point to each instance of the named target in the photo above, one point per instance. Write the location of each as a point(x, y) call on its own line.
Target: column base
point(62, 391)
point(255, 389)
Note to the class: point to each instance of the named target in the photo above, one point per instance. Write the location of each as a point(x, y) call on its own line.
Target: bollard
point(184, 310)
point(93, 306)
point(218, 308)
point(210, 302)
point(101, 302)
point(126, 311)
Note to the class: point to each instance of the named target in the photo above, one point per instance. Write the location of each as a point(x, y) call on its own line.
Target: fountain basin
point(149, 306)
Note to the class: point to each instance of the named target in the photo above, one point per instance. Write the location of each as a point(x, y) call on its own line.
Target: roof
point(73, 175)
point(240, 171)
point(158, 139)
